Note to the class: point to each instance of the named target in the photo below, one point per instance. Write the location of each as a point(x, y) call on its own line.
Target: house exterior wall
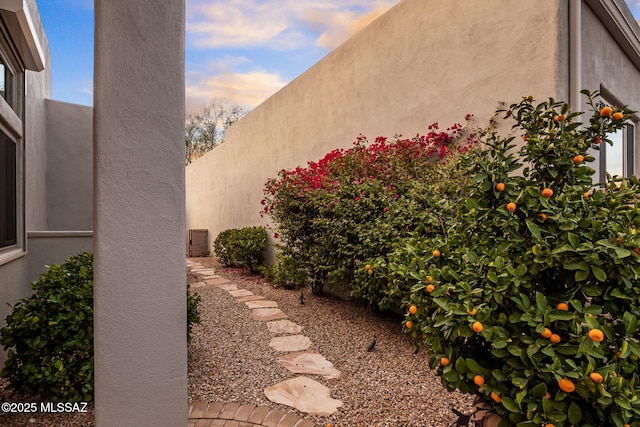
point(607, 67)
point(423, 61)
point(14, 273)
point(54, 247)
point(69, 178)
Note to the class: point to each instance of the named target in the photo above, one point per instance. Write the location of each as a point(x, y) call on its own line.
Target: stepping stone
point(304, 394)
point(261, 304)
point(250, 298)
point(266, 314)
point(219, 281)
point(290, 343)
point(284, 327)
point(309, 362)
point(228, 287)
point(198, 285)
point(241, 293)
point(211, 277)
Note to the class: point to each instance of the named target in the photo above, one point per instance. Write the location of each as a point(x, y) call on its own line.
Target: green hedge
point(241, 246)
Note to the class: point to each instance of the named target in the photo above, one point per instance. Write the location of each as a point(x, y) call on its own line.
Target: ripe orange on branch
point(596, 377)
point(577, 159)
point(511, 207)
point(477, 327)
point(500, 186)
point(596, 335)
point(566, 385)
point(547, 192)
point(413, 309)
point(606, 111)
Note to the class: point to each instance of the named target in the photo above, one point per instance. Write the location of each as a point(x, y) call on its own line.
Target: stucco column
point(139, 271)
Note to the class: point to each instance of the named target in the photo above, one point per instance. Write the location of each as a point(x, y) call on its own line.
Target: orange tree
point(533, 297)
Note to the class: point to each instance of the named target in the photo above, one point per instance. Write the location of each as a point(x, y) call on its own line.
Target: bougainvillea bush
point(532, 299)
point(356, 204)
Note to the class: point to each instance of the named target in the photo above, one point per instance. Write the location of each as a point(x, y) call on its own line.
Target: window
point(618, 159)
point(8, 192)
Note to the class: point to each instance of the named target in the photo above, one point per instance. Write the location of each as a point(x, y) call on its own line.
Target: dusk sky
point(241, 51)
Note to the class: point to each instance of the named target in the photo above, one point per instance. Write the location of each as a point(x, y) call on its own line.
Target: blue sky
point(228, 56)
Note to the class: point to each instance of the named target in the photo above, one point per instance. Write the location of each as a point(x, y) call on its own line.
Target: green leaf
point(581, 275)
point(533, 229)
point(599, 273)
point(575, 414)
point(510, 405)
point(541, 301)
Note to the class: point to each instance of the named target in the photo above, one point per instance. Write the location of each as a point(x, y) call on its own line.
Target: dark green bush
point(193, 315)
point(241, 246)
point(286, 271)
point(50, 334)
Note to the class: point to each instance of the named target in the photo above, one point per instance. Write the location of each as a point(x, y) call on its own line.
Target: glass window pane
point(615, 154)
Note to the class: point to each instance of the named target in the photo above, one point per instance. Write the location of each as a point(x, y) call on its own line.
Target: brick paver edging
point(219, 414)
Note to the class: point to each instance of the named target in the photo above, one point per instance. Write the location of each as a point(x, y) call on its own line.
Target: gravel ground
point(230, 359)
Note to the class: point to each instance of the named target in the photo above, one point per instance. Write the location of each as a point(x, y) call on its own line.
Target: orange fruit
point(525, 137)
point(585, 195)
point(445, 361)
point(596, 335)
point(549, 425)
point(618, 240)
point(547, 192)
point(430, 288)
point(429, 279)
point(413, 309)
point(597, 139)
point(559, 118)
point(637, 251)
point(511, 207)
point(547, 395)
point(495, 397)
point(369, 272)
point(472, 312)
point(477, 327)
point(367, 267)
point(500, 186)
point(555, 338)
point(546, 333)
point(409, 324)
point(562, 306)
point(596, 377)
point(478, 380)
point(578, 159)
point(606, 111)
point(436, 253)
point(542, 216)
point(566, 385)
point(618, 116)
point(627, 425)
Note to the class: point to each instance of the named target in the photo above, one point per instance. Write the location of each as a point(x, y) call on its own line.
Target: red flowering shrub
point(355, 204)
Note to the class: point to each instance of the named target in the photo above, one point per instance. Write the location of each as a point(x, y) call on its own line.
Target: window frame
point(628, 152)
point(11, 124)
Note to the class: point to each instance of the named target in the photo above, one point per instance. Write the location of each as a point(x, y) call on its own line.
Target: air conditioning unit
point(197, 243)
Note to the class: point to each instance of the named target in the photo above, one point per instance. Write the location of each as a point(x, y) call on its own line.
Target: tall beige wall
point(140, 338)
point(423, 61)
point(69, 178)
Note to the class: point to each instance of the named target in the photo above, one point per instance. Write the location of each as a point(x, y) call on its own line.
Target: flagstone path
point(301, 392)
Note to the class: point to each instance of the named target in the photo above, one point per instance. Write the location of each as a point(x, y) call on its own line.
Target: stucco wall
point(54, 247)
point(605, 66)
point(14, 275)
point(423, 61)
point(69, 179)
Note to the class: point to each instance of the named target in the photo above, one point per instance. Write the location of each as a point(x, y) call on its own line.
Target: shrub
point(286, 271)
point(193, 315)
point(539, 298)
point(356, 204)
point(241, 246)
point(50, 334)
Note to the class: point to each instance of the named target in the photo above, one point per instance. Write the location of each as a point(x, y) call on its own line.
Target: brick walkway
point(218, 414)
